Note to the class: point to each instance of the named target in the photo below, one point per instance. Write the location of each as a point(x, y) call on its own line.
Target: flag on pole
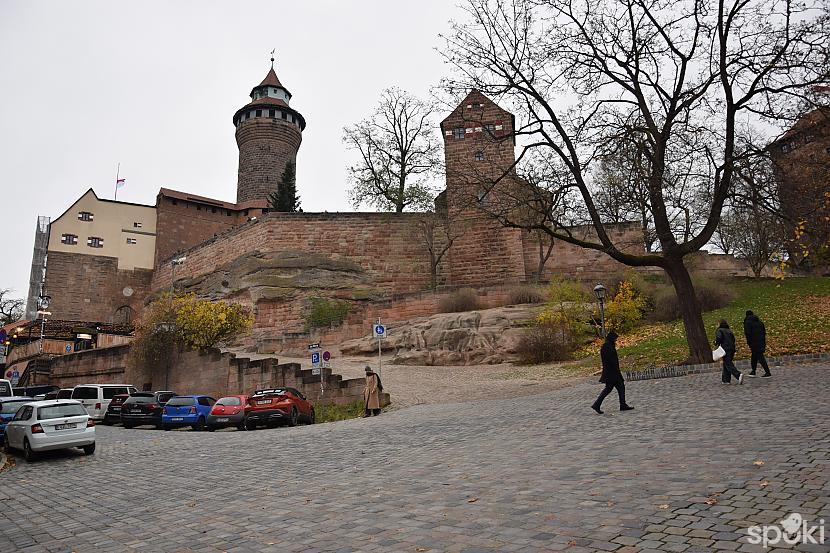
point(119, 183)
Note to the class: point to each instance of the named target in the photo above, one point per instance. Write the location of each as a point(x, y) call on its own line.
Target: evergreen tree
point(285, 198)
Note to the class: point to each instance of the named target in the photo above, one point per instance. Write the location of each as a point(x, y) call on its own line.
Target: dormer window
point(85, 216)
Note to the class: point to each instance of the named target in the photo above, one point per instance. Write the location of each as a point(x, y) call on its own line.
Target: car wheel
point(159, 426)
point(89, 449)
point(127, 425)
point(165, 427)
point(200, 424)
point(312, 417)
point(249, 425)
point(28, 454)
point(241, 426)
point(294, 417)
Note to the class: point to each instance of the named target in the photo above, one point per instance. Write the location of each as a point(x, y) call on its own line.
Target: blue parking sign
point(315, 358)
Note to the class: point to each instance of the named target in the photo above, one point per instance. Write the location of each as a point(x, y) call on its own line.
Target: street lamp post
point(599, 292)
point(168, 327)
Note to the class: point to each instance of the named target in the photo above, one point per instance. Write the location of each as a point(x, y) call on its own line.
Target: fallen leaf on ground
point(663, 506)
point(765, 483)
point(472, 500)
point(759, 463)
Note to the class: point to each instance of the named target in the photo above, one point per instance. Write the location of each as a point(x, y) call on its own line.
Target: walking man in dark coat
point(756, 339)
point(725, 339)
point(611, 375)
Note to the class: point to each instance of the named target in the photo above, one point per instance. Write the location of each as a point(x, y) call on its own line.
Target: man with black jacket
point(725, 339)
point(756, 339)
point(611, 375)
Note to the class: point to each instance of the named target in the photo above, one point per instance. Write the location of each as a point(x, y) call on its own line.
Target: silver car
point(51, 424)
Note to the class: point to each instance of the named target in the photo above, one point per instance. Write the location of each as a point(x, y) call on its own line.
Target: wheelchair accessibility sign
point(379, 331)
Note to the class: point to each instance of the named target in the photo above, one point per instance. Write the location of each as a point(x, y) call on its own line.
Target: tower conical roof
point(271, 79)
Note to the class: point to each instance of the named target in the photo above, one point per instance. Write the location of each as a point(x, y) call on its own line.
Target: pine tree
point(285, 198)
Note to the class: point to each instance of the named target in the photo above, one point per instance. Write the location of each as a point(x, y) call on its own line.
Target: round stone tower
point(268, 133)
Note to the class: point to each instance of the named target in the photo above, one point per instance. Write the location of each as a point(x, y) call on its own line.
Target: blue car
point(8, 407)
point(186, 411)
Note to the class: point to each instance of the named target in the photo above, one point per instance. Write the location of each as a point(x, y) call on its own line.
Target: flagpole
point(117, 173)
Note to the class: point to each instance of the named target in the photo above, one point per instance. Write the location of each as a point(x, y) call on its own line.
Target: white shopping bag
point(718, 354)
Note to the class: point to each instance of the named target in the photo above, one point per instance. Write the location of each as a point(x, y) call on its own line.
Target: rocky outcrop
point(487, 336)
point(282, 275)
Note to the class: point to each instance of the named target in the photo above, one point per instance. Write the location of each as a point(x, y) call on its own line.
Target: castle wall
point(388, 246)
point(92, 288)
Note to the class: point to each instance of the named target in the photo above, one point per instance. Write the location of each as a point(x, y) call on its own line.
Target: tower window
point(213, 210)
point(85, 216)
point(271, 113)
point(69, 239)
point(136, 225)
point(490, 127)
point(285, 116)
point(259, 113)
point(479, 156)
point(132, 241)
point(458, 133)
point(95, 242)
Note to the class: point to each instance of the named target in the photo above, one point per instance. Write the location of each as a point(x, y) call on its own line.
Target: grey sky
point(154, 85)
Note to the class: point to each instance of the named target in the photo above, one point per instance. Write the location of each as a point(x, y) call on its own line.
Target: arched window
point(479, 156)
point(124, 315)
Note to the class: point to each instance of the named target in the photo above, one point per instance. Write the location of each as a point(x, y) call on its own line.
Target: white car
point(51, 424)
point(96, 398)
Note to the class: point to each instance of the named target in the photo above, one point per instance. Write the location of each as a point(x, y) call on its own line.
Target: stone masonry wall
point(203, 373)
point(92, 288)
point(266, 145)
point(388, 246)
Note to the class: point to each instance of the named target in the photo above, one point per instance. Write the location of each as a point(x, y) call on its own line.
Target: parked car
point(8, 407)
point(65, 393)
point(144, 408)
point(278, 406)
point(113, 414)
point(228, 411)
point(6, 389)
point(47, 425)
point(37, 392)
point(96, 397)
point(187, 411)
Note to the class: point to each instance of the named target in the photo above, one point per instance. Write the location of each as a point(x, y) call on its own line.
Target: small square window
point(479, 156)
point(69, 239)
point(136, 225)
point(259, 113)
point(132, 241)
point(95, 242)
point(458, 133)
point(85, 216)
point(490, 127)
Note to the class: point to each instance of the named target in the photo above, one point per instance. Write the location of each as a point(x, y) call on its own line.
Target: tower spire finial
point(272, 58)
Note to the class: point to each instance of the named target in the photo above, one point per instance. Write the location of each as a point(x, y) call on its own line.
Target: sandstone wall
point(92, 288)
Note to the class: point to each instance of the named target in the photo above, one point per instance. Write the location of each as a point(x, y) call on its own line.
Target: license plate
point(178, 419)
point(222, 420)
point(65, 426)
point(264, 402)
point(116, 409)
point(137, 411)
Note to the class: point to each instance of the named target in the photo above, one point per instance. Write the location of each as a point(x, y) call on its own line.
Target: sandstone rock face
point(487, 336)
point(281, 275)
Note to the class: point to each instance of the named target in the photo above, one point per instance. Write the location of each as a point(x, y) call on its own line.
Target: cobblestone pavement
point(694, 465)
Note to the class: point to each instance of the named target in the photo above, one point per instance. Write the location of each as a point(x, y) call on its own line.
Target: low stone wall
point(671, 371)
point(212, 373)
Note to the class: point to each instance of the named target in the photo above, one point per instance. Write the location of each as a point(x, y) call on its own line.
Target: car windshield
point(181, 401)
point(65, 393)
point(60, 410)
point(165, 397)
point(229, 401)
point(110, 392)
point(11, 407)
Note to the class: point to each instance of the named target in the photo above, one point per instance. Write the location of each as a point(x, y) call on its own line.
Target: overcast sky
point(154, 85)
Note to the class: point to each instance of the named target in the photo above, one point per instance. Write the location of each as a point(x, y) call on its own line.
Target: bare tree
point(11, 309)
point(438, 234)
point(679, 72)
point(546, 244)
point(399, 154)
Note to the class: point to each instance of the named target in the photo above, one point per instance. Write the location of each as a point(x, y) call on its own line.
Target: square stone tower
point(479, 148)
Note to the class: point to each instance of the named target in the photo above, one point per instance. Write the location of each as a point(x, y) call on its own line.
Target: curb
point(672, 371)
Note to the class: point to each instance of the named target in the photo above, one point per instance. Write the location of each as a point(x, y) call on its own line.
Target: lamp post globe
point(600, 292)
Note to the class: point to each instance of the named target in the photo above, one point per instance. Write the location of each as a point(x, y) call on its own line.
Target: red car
point(277, 406)
point(228, 411)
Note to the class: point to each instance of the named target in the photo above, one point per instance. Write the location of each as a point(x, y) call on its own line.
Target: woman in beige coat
point(371, 394)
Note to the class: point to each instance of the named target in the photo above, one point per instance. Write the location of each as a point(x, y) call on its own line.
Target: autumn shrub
point(546, 342)
point(710, 293)
point(525, 294)
point(465, 299)
point(566, 306)
point(625, 309)
point(326, 313)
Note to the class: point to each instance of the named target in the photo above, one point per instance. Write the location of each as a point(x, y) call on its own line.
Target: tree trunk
point(699, 350)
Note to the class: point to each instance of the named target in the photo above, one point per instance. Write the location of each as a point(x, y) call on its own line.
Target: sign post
point(317, 363)
point(379, 332)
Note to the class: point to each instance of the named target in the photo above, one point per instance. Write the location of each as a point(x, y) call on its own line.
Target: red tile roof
point(271, 80)
point(184, 196)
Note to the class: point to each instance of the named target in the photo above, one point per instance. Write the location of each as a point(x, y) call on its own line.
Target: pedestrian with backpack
point(756, 339)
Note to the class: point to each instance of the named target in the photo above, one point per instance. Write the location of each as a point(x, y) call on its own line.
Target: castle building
point(107, 267)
